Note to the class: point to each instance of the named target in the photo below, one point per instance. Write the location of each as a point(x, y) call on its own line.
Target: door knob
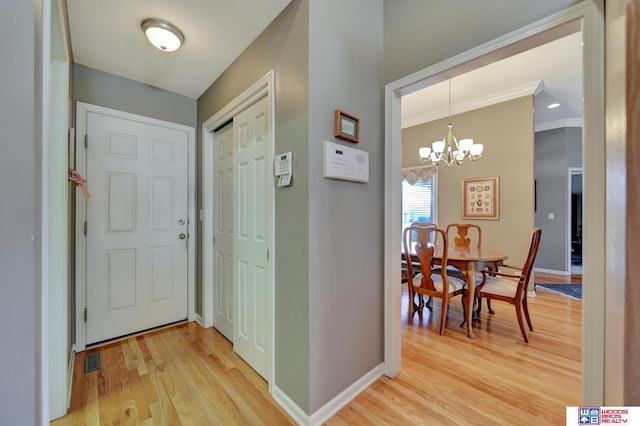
point(183, 236)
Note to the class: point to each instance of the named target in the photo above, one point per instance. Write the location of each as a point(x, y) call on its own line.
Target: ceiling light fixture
point(449, 149)
point(554, 105)
point(162, 34)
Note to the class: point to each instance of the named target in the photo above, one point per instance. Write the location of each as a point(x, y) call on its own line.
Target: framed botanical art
point(481, 198)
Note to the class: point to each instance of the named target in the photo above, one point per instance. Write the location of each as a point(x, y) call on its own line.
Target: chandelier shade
point(450, 150)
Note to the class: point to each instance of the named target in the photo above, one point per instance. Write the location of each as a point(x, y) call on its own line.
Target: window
point(418, 201)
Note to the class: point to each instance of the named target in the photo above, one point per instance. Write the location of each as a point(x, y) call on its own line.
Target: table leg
point(470, 273)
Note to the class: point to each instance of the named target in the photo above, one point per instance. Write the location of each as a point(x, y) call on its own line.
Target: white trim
point(199, 320)
point(287, 404)
point(42, 111)
point(392, 237)
point(81, 165)
point(621, 181)
point(594, 206)
point(80, 253)
point(328, 410)
point(531, 88)
point(59, 211)
point(593, 63)
point(552, 272)
point(72, 363)
point(331, 408)
point(557, 124)
point(261, 88)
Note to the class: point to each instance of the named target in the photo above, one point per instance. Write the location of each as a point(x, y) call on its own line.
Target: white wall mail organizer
point(341, 162)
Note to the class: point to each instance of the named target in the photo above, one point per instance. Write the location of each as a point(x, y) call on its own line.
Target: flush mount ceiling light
point(554, 105)
point(162, 34)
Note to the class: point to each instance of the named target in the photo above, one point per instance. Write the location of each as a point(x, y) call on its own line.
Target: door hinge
point(214, 241)
point(85, 314)
point(86, 141)
point(84, 228)
point(267, 254)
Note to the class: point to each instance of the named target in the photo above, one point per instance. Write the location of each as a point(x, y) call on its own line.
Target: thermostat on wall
point(342, 162)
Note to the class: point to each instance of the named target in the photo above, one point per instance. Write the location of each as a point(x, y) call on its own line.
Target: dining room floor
point(494, 379)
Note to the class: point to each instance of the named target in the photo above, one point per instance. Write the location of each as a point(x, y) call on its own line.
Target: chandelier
point(449, 150)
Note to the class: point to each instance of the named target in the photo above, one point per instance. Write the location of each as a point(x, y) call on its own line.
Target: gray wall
point(419, 33)
point(20, 192)
point(100, 88)
point(555, 151)
point(328, 238)
point(346, 219)
point(283, 47)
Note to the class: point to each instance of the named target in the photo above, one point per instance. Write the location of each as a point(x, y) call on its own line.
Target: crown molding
point(531, 88)
point(557, 124)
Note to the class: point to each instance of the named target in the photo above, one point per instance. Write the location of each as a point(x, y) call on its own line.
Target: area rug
point(570, 290)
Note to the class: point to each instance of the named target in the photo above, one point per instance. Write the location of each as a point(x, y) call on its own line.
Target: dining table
point(469, 261)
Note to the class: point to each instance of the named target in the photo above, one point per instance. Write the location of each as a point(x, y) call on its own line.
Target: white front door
point(137, 226)
point(223, 231)
point(251, 212)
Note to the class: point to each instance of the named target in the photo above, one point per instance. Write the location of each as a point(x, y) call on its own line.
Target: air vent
point(92, 362)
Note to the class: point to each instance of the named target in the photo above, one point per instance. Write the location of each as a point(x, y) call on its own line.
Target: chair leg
point(412, 305)
point(479, 308)
point(520, 323)
point(420, 306)
point(464, 309)
point(525, 307)
point(489, 307)
point(443, 316)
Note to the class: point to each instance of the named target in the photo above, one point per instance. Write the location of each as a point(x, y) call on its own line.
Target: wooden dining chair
point(462, 238)
point(512, 287)
point(426, 281)
point(404, 263)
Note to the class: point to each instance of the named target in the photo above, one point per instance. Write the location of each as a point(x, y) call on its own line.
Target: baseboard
point(332, 407)
point(346, 396)
point(199, 320)
point(552, 272)
point(297, 413)
point(72, 362)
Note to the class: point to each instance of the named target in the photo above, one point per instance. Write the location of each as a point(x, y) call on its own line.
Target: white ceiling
point(106, 35)
point(552, 71)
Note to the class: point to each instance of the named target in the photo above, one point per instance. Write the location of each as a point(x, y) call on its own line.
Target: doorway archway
point(590, 18)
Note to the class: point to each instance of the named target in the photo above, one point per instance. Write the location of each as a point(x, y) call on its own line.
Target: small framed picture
point(481, 198)
point(347, 127)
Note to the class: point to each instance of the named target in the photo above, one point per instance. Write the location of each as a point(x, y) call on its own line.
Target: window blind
point(418, 201)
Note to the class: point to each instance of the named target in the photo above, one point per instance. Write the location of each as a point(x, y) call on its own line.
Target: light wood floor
point(189, 375)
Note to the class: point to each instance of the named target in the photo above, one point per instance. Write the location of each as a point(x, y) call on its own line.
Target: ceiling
point(552, 72)
point(106, 35)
